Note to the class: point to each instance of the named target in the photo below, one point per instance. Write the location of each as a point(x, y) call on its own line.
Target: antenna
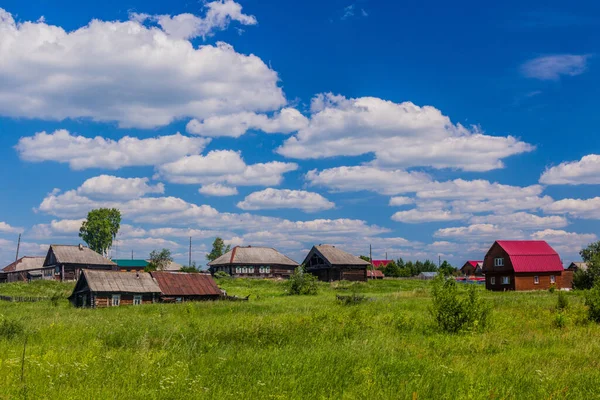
point(18, 247)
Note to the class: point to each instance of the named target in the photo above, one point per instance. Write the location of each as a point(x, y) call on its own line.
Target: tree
point(391, 269)
point(588, 278)
point(302, 283)
point(100, 229)
point(160, 260)
point(365, 258)
point(447, 269)
point(218, 249)
point(191, 268)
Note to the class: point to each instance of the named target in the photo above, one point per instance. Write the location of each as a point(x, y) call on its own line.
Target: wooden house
point(427, 275)
point(68, 261)
point(257, 262)
point(181, 286)
point(98, 288)
point(125, 265)
point(523, 265)
point(329, 263)
point(577, 266)
point(27, 269)
point(472, 268)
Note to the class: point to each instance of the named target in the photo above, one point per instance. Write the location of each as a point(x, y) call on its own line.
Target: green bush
point(221, 274)
point(560, 321)
point(592, 301)
point(302, 283)
point(10, 328)
point(354, 298)
point(562, 302)
point(552, 288)
point(453, 312)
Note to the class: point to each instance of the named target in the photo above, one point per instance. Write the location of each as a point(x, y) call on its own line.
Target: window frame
point(112, 300)
point(552, 279)
point(536, 280)
point(506, 280)
point(492, 280)
point(137, 299)
point(499, 262)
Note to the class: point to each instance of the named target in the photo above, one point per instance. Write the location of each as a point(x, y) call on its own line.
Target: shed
point(259, 262)
point(130, 265)
point(472, 268)
point(182, 286)
point(523, 265)
point(427, 275)
point(97, 288)
point(330, 263)
point(68, 261)
point(26, 269)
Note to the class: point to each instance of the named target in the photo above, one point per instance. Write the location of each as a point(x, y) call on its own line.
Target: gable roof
point(25, 264)
point(474, 264)
point(380, 263)
point(531, 255)
point(429, 274)
point(120, 282)
point(186, 284)
point(579, 265)
point(334, 256)
point(253, 255)
point(375, 273)
point(131, 263)
point(68, 254)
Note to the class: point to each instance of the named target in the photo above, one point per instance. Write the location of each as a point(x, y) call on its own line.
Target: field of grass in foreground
point(310, 347)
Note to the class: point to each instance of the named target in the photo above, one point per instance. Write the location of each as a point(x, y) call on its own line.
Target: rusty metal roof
point(186, 284)
point(375, 273)
point(120, 282)
point(249, 255)
point(78, 255)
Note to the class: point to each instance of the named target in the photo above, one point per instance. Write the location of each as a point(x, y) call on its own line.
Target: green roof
point(131, 263)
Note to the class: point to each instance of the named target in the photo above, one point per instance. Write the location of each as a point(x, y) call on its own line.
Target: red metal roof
point(375, 273)
point(531, 255)
point(380, 263)
point(184, 284)
point(474, 263)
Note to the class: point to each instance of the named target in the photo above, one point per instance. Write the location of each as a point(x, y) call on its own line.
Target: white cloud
point(188, 26)
point(401, 201)
point(583, 172)
point(112, 187)
point(554, 66)
point(418, 215)
point(567, 244)
point(286, 121)
point(49, 73)
point(56, 228)
point(368, 178)
point(400, 135)
point(224, 166)
point(6, 228)
point(478, 233)
point(82, 152)
point(285, 198)
point(216, 189)
point(521, 220)
point(578, 208)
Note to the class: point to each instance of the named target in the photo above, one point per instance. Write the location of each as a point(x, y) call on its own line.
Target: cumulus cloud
point(552, 67)
point(56, 228)
point(81, 152)
point(401, 201)
point(583, 172)
point(225, 167)
point(578, 208)
point(565, 243)
point(285, 198)
point(521, 220)
point(417, 215)
point(112, 187)
point(219, 15)
point(479, 232)
point(400, 135)
point(6, 228)
point(49, 73)
point(216, 189)
point(285, 121)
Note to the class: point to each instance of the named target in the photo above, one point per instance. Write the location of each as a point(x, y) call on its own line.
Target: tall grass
point(299, 347)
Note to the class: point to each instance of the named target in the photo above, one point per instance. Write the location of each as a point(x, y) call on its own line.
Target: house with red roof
point(380, 263)
point(472, 268)
point(524, 265)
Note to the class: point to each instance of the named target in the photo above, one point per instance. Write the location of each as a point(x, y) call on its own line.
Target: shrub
point(354, 298)
point(301, 283)
point(221, 274)
point(10, 328)
point(592, 301)
point(560, 321)
point(562, 302)
point(452, 312)
point(552, 288)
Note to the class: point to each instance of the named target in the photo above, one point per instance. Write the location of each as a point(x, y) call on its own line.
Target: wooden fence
point(22, 299)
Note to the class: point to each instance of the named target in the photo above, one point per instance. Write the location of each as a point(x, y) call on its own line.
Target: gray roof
point(25, 264)
point(78, 255)
point(253, 256)
point(580, 265)
point(124, 282)
point(336, 256)
point(429, 274)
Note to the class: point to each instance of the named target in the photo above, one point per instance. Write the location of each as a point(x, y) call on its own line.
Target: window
point(498, 262)
point(137, 300)
point(492, 280)
point(536, 280)
point(238, 270)
point(506, 280)
point(250, 270)
point(261, 270)
point(116, 300)
point(552, 279)
point(267, 270)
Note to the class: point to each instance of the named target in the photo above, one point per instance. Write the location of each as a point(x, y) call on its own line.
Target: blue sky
point(423, 131)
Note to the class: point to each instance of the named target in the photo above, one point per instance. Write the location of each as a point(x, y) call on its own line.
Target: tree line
point(401, 269)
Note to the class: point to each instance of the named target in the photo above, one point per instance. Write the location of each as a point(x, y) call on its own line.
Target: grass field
point(286, 347)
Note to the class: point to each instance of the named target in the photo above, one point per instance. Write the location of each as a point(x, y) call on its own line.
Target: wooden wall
point(498, 286)
point(277, 271)
point(105, 300)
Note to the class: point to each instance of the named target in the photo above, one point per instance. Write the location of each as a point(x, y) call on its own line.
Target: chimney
point(137, 274)
point(80, 247)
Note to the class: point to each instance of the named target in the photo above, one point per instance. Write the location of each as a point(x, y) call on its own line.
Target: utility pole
point(439, 260)
point(386, 255)
point(18, 247)
point(190, 260)
point(132, 254)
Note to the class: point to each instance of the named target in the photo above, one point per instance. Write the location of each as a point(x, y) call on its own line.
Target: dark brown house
point(68, 261)
point(328, 263)
point(472, 268)
point(181, 286)
point(97, 288)
point(257, 262)
point(524, 265)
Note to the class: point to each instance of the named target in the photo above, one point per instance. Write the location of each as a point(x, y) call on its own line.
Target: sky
point(425, 132)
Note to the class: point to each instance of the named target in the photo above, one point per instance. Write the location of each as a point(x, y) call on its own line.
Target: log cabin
point(27, 269)
point(98, 289)
point(180, 286)
point(524, 265)
point(68, 261)
point(472, 268)
point(254, 262)
point(329, 263)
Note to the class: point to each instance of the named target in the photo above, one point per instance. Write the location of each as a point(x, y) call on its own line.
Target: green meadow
point(295, 347)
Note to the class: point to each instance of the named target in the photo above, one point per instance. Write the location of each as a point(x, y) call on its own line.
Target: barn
point(67, 261)
point(180, 286)
point(329, 263)
point(472, 268)
point(98, 289)
point(524, 265)
point(27, 269)
point(254, 262)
